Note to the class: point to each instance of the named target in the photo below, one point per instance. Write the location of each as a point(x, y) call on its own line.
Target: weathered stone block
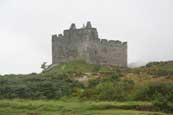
point(84, 43)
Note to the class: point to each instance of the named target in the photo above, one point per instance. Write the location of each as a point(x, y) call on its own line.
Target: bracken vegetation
point(101, 85)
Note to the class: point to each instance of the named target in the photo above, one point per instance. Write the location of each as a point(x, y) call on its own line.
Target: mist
point(26, 27)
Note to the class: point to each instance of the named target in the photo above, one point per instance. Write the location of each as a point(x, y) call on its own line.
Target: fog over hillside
point(26, 27)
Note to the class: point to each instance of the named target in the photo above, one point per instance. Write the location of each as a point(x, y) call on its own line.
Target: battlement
point(113, 43)
point(86, 30)
point(73, 31)
point(77, 43)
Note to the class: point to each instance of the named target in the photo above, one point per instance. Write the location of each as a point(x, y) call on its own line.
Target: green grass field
point(64, 107)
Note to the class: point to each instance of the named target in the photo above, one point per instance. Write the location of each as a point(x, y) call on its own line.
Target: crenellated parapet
point(113, 43)
point(84, 43)
point(73, 31)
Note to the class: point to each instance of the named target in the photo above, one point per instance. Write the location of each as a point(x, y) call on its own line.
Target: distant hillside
point(136, 64)
point(163, 68)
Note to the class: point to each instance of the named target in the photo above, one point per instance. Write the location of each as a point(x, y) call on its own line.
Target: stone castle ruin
point(84, 43)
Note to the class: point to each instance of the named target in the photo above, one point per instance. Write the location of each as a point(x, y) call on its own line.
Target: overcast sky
point(26, 27)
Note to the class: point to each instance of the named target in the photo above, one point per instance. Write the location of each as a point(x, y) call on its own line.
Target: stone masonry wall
point(84, 43)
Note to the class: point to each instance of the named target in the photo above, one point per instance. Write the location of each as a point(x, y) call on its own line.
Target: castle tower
point(73, 26)
point(85, 44)
point(88, 25)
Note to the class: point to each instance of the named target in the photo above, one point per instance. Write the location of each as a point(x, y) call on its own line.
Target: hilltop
point(78, 66)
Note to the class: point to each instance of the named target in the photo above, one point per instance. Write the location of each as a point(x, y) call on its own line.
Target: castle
point(84, 43)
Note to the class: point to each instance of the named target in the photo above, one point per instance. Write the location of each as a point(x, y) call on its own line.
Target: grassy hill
point(106, 90)
point(156, 68)
point(78, 66)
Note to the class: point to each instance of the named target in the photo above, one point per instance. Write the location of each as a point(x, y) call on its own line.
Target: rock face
point(84, 43)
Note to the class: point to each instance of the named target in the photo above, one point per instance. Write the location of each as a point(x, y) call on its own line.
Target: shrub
point(162, 103)
point(36, 87)
point(109, 90)
point(150, 92)
point(113, 91)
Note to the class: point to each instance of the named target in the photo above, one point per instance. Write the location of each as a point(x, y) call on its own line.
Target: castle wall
point(108, 52)
point(85, 44)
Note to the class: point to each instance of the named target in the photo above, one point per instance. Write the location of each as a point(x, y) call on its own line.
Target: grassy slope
point(78, 66)
point(163, 65)
point(22, 107)
point(52, 107)
point(156, 68)
point(154, 72)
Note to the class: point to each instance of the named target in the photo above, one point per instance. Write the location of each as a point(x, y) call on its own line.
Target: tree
point(44, 66)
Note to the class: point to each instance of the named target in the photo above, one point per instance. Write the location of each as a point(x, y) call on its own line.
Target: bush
point(162, 103)
point(150, 92)
point(36, 87)
point(109, 90)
